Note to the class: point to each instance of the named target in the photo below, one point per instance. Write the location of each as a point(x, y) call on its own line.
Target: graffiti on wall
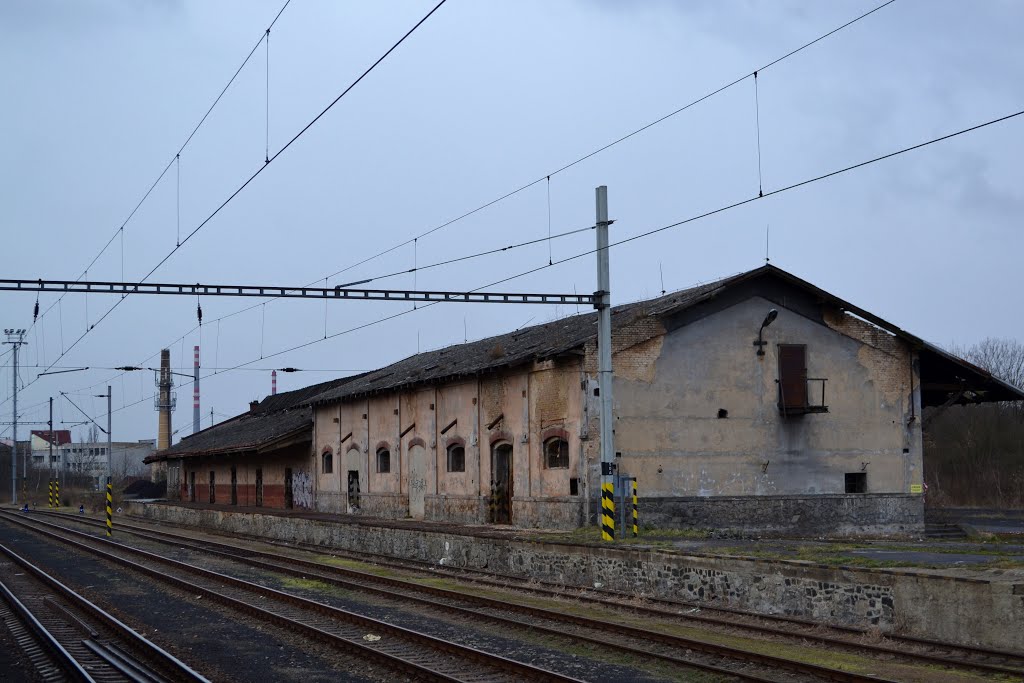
point(302, 489)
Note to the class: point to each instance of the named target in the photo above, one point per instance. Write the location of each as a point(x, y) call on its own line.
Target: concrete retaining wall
point(970, 611)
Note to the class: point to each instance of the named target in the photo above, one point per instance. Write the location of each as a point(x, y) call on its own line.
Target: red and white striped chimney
point(273, 382)
point(195, 394)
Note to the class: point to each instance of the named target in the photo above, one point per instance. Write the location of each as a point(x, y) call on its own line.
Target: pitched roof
point(277, 419)
point(940, 368)
point(58, 437)
point(538, 342)
point(289, 414)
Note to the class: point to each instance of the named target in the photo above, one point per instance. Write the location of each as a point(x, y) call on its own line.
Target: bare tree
point(974, 455)
point(1004, 358)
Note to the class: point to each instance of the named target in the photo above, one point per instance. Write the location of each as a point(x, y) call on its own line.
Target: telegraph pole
point(15, 338)
point(602, 302)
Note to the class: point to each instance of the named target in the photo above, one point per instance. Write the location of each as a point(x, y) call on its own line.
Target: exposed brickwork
point(643, 330)
point(887, 355)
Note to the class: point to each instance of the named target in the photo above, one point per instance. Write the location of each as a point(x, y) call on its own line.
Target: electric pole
point(110, 439)
point(602, 302)
point(15, 338)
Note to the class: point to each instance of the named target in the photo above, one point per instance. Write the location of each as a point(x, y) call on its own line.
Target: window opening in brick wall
point(327, 462)
point(574, 486)
point(259, 487)
point(856, 482)
point(383, 461)
point(556, 453)
point(213, 486)
point(234, 485)
point(456, 458)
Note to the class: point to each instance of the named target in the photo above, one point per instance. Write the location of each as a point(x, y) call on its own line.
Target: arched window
point(456, 458)
point(383, 460)
point(327, 462)
point(556, 453)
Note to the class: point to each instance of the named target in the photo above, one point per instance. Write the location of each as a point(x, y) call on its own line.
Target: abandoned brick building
point(807, 419)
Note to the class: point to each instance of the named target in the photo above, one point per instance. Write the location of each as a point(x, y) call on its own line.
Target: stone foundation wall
point(389, 505)
point(872, 514)
point(456, 509)
point(548, 513)
point(972, 611)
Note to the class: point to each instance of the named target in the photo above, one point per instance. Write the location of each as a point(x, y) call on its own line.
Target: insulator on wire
point(35, 312)
point(199, 313)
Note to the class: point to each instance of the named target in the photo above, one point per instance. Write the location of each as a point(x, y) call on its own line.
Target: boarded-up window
point(383, 460)
point(556, 453)
point(792, 376)
point(456, 458)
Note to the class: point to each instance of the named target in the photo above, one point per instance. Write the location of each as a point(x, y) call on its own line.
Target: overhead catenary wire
point(167, 167)
point(618, 140)
point(252, 177)
point(642, 235)
point(691, 219)
point(547, 176)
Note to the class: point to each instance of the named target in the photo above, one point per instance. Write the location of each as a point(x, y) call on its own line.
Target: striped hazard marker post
point(110, 508)
point(636, 527)
point(56, 493)
point(607, 511)
point(50, 498)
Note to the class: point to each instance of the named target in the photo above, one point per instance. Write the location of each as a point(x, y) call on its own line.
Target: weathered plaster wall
point(520, 408)
point(974, 611)
point(671, 438)
point(326, 440)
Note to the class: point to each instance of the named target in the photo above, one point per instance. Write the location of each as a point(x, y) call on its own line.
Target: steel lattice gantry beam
point(125, 288)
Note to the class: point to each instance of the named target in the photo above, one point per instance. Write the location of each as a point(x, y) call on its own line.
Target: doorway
point(289, 499)
point(501, 483)
point(234, 485)
point(417, 481)
point(191, 487)
point(259, 487)
point(353, 490)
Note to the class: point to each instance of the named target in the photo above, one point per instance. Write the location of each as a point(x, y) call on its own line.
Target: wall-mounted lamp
point(864, 466)
point(768, 320)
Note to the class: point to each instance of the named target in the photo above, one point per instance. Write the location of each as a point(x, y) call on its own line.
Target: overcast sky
point(485, 97)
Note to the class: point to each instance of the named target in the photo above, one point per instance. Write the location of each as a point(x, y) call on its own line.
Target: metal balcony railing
point(812, 400)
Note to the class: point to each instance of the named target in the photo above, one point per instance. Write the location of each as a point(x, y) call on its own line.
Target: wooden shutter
point(792, 376)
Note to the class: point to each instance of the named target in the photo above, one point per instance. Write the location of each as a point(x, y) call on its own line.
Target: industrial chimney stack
point(165, 400)
point(273, 382)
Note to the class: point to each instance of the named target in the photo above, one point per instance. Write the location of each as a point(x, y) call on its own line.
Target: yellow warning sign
point(916, 488)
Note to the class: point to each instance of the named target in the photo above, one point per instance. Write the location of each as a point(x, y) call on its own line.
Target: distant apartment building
point(125, 458)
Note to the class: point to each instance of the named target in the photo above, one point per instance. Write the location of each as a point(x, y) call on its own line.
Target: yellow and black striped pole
point(50, 487)
point(607, 511)
point(110, 508)
point(56, 493)
point(636, 528)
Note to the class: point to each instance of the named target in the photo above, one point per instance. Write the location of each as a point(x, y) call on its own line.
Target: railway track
point(926, 650)
point(410, 652)
point(947, 655)
point(651, 644)
point(66, 637)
